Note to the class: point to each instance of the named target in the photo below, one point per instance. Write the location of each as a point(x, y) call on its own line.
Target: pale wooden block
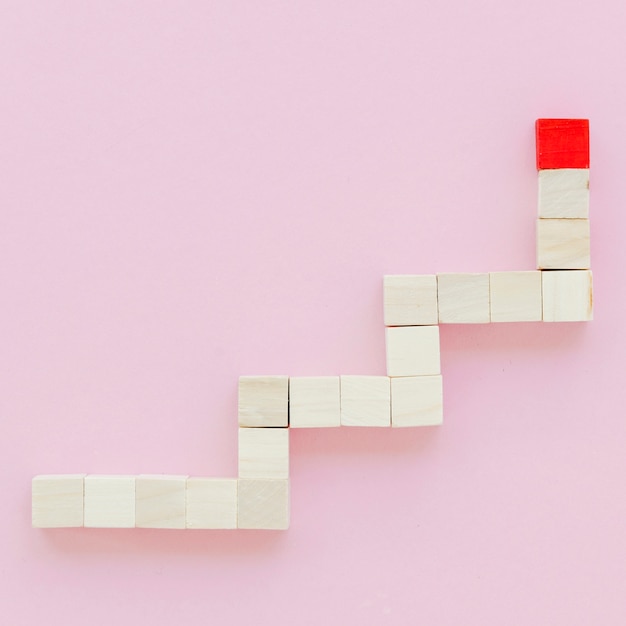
point(160, 501)
point(263, 504)
point(563, 244)
point(264, 453)
point(57, 500)
point(365, 401)
point(410, 300)
point(263, 401)
point(314, 401)
point(567, 296)
point(109, 501)
point(413, 350)
point(564, 193)
point(417, 401)
point(515, 296)
point(463, 298)
point(212, 503)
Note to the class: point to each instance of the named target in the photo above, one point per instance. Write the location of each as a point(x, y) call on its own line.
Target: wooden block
point(263, 504)
point(563, 244)
point(57, 500)
point(413, 350)
point(410, 300)
point(417, 401)
point(160, 501)
point(314, 401)
point(567, 296)
point(564, 193)
point(211, 503)
point(109, 501)
point(463, 298)
point(365, 401)
point(264, 453)
point(515, 296)
point(263, 401)
point(562, 143)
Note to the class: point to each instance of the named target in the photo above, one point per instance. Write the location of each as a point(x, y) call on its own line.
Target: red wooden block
point(562, 143)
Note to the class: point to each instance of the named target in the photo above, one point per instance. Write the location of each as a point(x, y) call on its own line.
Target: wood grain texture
point(413, 350)
point(109, 501)
point(263, 504)
point(563, 193)
point(211, 503)
point(314, 402)
point(463, 298)
point(416, 401)
point(410, 300)
point(264, 453)
point(263, 401)
point(160, 501)
point(365, 401)
point(57, 501)
point(567, 296)
point(515, 296)
point(563, 244)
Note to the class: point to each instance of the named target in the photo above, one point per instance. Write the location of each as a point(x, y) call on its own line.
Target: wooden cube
point(160, 501)
point(314, 401)
point(263, 401)
point(365, 401)
point(564, 193)
point(515, 296)
point(410, 300)
point(567, 296)
point(563, 244)
point(413, 350)
point(263, 504)
point(463, 298)
point(417, 401)
point(109, 501)
point(57, 501)
point(211, 503)
point(264, 453)
point(562, 143)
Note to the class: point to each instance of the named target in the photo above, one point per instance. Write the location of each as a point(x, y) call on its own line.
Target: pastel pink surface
point(195, 191)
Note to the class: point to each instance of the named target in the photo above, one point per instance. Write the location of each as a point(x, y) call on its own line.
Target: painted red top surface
point(562, 143)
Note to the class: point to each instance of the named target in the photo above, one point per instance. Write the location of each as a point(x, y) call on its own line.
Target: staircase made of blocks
point(410, 395)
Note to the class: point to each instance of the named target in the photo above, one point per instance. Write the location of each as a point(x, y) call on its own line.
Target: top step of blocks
point(562, 143)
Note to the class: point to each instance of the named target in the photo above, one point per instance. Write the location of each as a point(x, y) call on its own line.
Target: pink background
point(191, 191)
